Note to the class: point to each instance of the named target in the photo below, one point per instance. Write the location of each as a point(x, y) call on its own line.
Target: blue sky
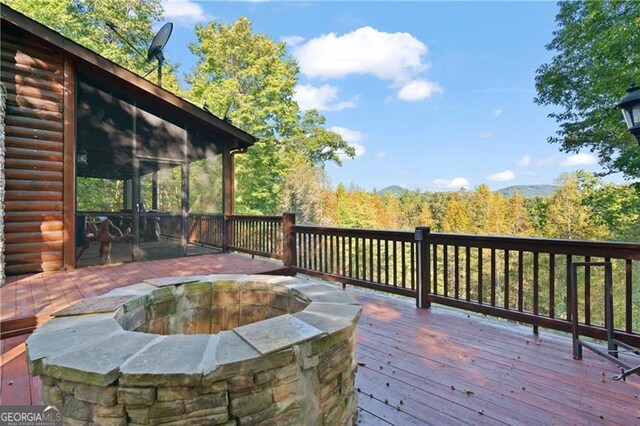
point(433, 95)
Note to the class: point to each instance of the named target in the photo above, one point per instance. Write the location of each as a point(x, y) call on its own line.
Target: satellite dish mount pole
point(160, 63)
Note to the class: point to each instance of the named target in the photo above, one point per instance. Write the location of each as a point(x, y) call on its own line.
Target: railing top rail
point(363, 233)
point(220, 215)
point(254, 218)
point(544, 245)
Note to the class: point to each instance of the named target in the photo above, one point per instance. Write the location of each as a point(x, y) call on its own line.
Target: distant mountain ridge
point(528, 191)
point(394, 189)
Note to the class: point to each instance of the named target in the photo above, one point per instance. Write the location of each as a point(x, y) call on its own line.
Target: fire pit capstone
point(216, 349)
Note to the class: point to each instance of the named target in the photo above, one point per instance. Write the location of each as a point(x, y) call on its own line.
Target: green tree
point(614, 207)
point(303, 192)
point(595, 60)
point(251, 78)
point(84, 21)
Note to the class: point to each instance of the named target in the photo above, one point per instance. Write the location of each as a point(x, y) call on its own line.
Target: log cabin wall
point(33, 223)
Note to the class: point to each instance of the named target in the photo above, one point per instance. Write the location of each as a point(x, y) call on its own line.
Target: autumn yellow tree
point(457, 218)
point(567, 217)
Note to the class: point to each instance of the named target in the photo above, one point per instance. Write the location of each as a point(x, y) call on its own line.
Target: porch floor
point(436, 366)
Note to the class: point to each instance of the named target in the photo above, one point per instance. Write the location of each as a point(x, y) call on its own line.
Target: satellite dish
point(155, 50)
point(158, 43)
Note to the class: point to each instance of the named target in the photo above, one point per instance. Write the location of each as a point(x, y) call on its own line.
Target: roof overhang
point(108, 71)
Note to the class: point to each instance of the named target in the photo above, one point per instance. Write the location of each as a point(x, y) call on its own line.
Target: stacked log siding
point(2, 151)
point(34, 79)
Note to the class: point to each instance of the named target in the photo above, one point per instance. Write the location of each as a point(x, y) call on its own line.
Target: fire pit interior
point(203, 350)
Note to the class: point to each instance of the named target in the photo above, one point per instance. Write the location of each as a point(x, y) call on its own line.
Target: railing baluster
point(536, 289)
point(357, 258)
point(395, 264)
point(568, 287)
point(371, 278)
point(493, 277)
point(434, 269)
point(520, 280)
point(379, 261)
point(628, 296)
point(456, 270)
point(445, 270)
point(413, 268)
point(403, 265)
point(480, 301)
point(467, 274)
point(552, 285)
point(506, 279)
point(587, 292)
point(344, 250)
point(350, 257)
point(364, 259)
point(386, 261)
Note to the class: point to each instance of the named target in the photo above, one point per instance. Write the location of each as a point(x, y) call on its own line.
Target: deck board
point(416, 366)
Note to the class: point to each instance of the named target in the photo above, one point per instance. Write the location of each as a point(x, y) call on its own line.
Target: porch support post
point(228, 182)
point(288, 240)
point(69, 173)
point(424, 267)
point(228, 207)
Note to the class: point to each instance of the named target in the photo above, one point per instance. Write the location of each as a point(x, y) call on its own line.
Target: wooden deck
point(436, 366)
point(41, 294)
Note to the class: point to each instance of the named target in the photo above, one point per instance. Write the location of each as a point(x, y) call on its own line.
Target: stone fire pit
point(205, 350)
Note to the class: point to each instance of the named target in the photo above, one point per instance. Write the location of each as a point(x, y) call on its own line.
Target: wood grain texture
point(34, 78)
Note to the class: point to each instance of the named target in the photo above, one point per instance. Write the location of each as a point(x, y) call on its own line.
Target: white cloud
point(184, 12)
point(455, 183)
point(381, 154)
point(528, 160)
point(292, 40)
point(497, 112)
point(323, 98)
point(417, 90)
point(505, 176)
point(359, 148)
point(352, 137)
point(580, 160)
point(394, 57)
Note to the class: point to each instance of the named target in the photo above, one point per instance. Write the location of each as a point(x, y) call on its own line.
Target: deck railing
point(381, 260)
point(256, 235)
point(207, 229)
point(528, 280)
point(521, 279)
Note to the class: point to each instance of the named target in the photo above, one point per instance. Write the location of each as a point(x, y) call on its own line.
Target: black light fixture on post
point(630, 107)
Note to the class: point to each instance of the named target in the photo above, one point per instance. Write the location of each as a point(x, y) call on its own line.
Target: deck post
point(288, 240)
point(424, 266)
point(227, 231)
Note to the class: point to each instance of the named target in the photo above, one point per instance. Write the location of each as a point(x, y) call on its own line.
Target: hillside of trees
point(581, 207)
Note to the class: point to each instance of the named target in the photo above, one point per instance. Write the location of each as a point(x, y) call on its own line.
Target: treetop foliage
point(596, 59)
point(582, 207)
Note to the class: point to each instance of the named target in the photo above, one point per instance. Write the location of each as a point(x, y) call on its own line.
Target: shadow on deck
point(436, 366)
